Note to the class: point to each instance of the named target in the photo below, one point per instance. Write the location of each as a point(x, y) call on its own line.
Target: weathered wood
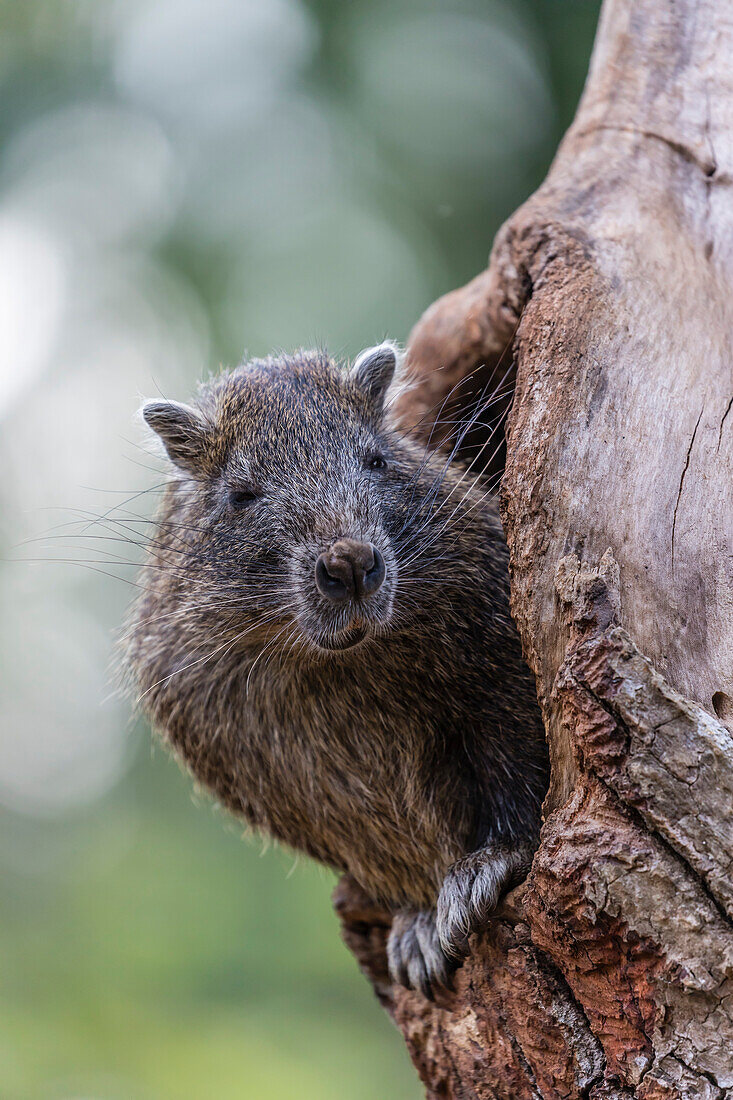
point(610, 971)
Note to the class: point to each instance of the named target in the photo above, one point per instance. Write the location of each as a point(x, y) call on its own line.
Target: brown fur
point(395, 758)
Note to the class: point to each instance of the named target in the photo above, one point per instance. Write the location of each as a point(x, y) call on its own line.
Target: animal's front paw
point(469, 895)
point(415, 957)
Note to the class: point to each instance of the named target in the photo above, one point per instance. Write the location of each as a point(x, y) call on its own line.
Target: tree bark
point(609, 973)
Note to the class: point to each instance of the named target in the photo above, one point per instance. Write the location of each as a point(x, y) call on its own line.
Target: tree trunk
point(609, 972)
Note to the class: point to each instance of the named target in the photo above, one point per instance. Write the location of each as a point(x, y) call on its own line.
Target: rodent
point(324, 637)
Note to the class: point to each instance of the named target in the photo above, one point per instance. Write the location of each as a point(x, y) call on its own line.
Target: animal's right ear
point(183, 432)
point(374, 369)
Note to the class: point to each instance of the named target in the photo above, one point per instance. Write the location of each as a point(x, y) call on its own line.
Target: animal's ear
point(374, 369)
point(182, 430)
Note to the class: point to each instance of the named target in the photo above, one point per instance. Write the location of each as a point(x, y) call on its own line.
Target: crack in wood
point(682, 479)
point(722, 422)
point(707, 167)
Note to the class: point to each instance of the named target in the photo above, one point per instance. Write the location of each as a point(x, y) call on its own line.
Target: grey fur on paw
point(469, 895)
point(416, 959)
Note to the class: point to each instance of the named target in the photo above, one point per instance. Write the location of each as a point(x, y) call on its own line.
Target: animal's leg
point(415, 957)
point(471, 890)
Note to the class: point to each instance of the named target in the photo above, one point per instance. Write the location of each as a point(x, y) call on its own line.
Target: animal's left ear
point(374, 369)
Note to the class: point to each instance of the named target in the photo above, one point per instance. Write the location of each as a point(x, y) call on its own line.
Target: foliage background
point(181, 180)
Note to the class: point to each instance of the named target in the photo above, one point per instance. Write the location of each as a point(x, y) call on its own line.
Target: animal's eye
point(240, 498)
point(375, 462)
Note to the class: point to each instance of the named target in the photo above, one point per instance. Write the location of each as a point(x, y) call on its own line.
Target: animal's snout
point(350, 570)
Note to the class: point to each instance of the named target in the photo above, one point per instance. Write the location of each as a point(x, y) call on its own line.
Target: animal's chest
point(353, 784)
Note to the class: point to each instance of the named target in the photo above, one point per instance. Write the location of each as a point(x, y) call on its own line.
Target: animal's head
point(290, 499)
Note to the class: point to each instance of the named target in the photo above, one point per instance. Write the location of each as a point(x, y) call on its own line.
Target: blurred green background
point(182, 181)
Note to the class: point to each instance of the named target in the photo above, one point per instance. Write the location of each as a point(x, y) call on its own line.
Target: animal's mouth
point(346, 639)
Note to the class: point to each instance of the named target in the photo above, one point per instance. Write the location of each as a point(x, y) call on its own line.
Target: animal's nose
point(350, 570)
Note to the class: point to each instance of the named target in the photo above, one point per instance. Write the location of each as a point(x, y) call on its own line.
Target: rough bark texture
point(609, 973)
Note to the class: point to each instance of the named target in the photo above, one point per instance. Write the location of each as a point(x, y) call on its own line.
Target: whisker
point(207, 656)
